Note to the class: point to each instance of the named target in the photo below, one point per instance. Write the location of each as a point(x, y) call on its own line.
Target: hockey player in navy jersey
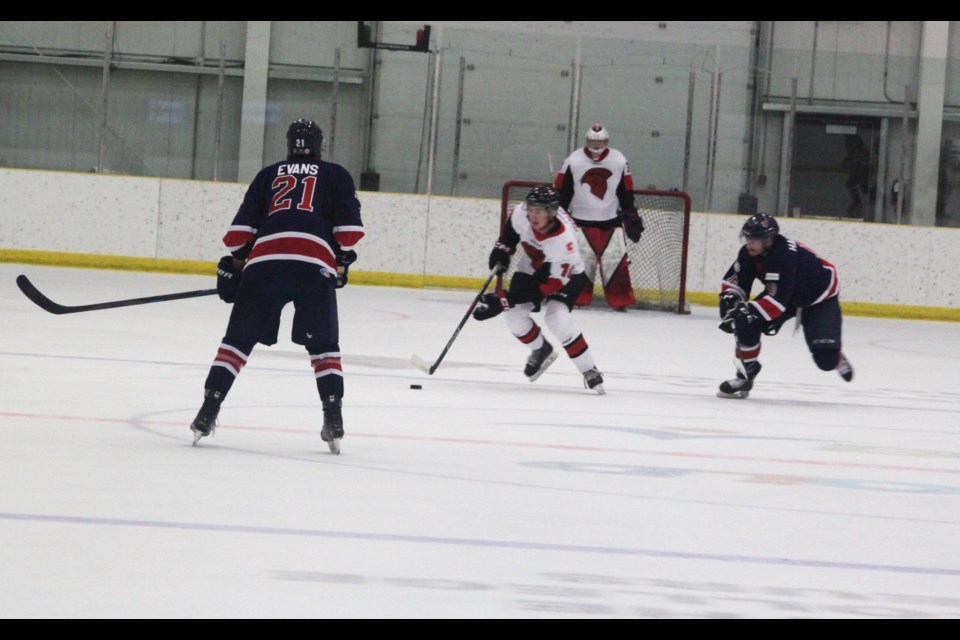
point(291, 240)
point(548, 275)
point(596, 188)
point(796, 283)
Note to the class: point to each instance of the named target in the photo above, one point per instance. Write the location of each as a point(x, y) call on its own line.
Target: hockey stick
point(422, 364)
point(47, 304)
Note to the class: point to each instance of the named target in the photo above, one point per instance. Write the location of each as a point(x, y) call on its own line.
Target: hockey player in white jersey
point(549, 275)
point(596, 187)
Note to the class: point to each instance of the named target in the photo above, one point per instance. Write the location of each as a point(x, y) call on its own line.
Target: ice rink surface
point(482, 495)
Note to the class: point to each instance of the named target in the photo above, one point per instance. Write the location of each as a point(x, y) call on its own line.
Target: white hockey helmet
point(597, 140)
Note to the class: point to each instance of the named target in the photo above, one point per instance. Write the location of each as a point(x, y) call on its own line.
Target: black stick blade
point(38, 298)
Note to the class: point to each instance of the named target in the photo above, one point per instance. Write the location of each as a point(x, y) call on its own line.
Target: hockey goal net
point(658, 262)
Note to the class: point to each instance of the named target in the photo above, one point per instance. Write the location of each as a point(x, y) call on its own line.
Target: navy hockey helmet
point(759, 226)
point(543, 196)
point(304, 138)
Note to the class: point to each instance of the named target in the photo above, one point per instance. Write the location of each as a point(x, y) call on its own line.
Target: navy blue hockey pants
point(265, 290)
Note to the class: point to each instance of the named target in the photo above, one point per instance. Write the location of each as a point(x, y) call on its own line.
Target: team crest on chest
point(596, 178)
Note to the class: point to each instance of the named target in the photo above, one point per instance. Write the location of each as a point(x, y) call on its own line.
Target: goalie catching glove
point(228, 278)
point(632, 224)
point(491, 305)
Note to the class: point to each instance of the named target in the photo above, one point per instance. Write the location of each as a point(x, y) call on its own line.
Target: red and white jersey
point(559, 248)
point(594, 190)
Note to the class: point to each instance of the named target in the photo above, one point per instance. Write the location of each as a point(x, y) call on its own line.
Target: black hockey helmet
point(543, 196)
point(304, 138)
point(759, 226)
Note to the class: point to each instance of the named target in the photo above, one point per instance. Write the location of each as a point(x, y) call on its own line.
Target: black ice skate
point(844, 368)
point(539, 360)
point(593, 379)
point(332, 431)
point(740, 386)
point(206, 421)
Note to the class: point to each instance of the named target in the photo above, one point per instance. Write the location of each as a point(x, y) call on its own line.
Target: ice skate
point(844, 368)
point(593, 379)
point(740, 386)
point(206, 421)
point(332, 431)
point(539, 360)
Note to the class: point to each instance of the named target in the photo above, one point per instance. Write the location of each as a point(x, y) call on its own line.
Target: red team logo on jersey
point(597, 178)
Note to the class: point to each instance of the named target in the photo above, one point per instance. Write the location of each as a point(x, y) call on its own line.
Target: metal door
point(834, 167)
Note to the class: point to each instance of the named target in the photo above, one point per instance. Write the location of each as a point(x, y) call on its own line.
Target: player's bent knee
point(827, 359)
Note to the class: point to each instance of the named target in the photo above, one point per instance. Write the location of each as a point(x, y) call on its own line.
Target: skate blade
point(546, 364)
point(334, 446)
point(736, 395)
point(599, 389)
point(197, 435)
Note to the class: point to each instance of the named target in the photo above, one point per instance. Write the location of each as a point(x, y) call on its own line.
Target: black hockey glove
point(491, 305)
point(740, 317)
point(773, 328)
point(500, 256)
point(344, 260)
point(228, 279)
point(632, 224)
point(729, 300)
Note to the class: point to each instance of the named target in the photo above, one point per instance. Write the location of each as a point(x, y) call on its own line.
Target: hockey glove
point(728, 300)
point(632, 224)
point(740, 317)
point(500, 256)
point(344, 260)
point(491, 305)
point(228, 279)
point(773, 328)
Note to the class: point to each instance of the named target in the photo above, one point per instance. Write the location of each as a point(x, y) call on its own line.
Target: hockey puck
point(416, 386)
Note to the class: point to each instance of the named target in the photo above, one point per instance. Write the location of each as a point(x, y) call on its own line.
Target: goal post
point(658, 262)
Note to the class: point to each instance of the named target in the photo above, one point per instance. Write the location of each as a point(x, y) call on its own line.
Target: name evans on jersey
point(290, 169)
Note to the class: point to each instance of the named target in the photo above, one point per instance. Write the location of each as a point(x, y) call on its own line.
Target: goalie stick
point(47, 304)
point(422, 364)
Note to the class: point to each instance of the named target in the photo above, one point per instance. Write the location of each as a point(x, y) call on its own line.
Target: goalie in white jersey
point(549, 275)
point(596, 187)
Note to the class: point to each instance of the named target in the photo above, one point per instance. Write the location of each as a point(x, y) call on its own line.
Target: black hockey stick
point(47, 304)
point(422, 364)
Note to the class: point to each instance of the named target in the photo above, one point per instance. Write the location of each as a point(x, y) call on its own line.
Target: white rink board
point(436, 236)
